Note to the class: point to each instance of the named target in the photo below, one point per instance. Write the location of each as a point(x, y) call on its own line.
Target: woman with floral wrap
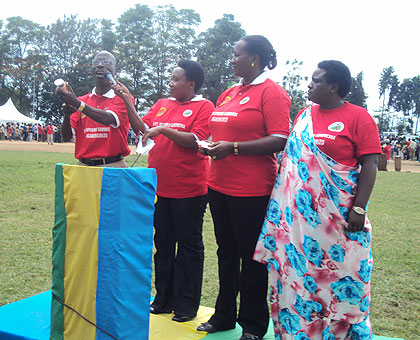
point(316, 237)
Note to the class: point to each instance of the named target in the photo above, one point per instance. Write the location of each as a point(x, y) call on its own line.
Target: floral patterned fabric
point(319, 273)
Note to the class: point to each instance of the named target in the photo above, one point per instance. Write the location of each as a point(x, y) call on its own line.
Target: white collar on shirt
point(259, 80)
point(197, 98)
point(110, 94)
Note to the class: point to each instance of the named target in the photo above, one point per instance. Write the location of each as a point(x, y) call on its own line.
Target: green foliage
point(214, 51)
point(22, 38)
point(134, 33)
point(388, 88)
point(172, 35)
point(292, 84)
point(357, 93)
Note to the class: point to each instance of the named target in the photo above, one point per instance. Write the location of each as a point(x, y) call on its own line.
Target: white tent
point(9, 114)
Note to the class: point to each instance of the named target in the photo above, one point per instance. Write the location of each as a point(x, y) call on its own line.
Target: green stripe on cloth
point(59, 245)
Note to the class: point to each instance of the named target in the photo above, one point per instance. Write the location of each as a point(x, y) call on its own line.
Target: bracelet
point(235, 148)
point(81, 107)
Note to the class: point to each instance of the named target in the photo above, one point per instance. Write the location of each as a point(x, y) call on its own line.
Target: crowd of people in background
point(40, 133)
point(50, 133)
point(408, 148)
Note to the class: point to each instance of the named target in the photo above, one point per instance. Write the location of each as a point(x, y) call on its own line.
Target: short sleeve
point(118, 108)
point(276, 110)
point(148, 117)
point(367, 136)
point(200, 127)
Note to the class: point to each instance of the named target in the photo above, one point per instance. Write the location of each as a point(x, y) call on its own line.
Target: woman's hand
point(355, 222)
point(220, 150)
point(151, 133)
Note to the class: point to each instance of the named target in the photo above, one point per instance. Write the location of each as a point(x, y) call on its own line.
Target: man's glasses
point(104, 62)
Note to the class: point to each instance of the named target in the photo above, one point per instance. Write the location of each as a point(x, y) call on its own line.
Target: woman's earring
point(253, 64)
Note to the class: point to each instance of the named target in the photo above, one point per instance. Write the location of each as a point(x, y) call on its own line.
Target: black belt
point(101, 161)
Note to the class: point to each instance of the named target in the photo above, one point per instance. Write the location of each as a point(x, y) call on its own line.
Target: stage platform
point(29, 319)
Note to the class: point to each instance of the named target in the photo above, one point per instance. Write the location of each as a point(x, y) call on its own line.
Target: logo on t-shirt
point(225, 101)
point(187, 113)
point(161, 111)
point(244, 101)
point(337, 127)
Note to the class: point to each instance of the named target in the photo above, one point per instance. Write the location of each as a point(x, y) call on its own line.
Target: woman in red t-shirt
point(249, 125)
point(316, 237)
point(175, 124)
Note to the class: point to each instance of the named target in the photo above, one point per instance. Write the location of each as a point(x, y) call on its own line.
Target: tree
point(4, 91)
point(108, 36)
point(387, 85)
point(173, 36)
point(23, 38)
point(134, 32)
point(70, 45)
point(292, 85)
point(357, 93)
point(214, 52)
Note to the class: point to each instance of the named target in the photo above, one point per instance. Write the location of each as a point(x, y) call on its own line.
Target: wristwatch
point(235, 148)
point(359, 210)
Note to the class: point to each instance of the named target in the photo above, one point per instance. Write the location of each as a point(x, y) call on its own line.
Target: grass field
point(26, 220)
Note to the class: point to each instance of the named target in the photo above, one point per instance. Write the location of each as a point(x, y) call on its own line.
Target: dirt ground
point(407, 166)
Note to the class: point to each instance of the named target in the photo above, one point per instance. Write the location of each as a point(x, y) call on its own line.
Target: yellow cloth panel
point(82, 191)
point(162, 326)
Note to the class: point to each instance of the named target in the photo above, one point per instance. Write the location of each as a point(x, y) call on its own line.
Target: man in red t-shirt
point(98, 120)
point(49, 134)
point(41, 133)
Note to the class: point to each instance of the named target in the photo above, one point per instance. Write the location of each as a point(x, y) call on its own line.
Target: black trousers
point(179, 256)
point(237, 225)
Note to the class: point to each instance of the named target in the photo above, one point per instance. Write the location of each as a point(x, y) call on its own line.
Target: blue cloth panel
point(125, 237)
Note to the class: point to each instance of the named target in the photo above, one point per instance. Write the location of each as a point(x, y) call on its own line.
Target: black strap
point(75, 311)
point(101, 161)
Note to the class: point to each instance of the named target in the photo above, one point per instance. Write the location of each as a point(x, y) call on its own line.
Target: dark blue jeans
point(237, 225)
point(179, 256)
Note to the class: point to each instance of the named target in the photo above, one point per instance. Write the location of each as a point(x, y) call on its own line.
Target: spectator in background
point(30, 132)
point(412, 149)
point(10, 132)
point(40, 133)
point(50, 134)
point(387, 150)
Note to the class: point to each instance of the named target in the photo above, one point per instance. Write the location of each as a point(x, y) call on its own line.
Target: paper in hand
point(143, 150)
point(203, 144)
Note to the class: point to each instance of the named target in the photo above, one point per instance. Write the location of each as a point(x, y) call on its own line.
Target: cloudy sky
point(367, 35)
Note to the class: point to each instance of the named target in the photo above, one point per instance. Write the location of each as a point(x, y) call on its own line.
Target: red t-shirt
point(40, 130)
point(49, 130)
point(345, 133)
point(387, 151)
point(95, 140)
point(181, 172)
point(245, 113)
